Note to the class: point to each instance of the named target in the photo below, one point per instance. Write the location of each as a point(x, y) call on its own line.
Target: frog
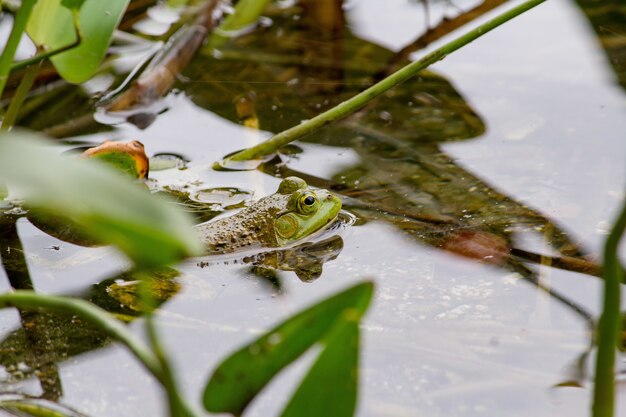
point(292, 213)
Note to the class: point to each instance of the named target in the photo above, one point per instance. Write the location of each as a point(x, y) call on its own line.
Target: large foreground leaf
point(242, 375)
point(330, 387)
point(105, 203)
point(51, 27)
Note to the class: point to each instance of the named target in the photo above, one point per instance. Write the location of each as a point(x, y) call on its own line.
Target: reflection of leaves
point(49, 338)
point(333, 322)
point(121, 295)
point(424, 109)
point(402, 177)
point(46, 340)
point(608, 19)
point(61, 110)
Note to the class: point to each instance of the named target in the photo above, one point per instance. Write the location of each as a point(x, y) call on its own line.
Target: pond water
point(515, 141)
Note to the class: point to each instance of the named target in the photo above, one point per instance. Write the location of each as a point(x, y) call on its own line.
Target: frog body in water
point(292, 213)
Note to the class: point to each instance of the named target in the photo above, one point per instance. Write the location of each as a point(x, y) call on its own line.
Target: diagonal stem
point(355, 103)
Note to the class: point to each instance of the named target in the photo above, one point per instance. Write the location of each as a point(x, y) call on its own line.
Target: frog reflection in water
point(295, 211)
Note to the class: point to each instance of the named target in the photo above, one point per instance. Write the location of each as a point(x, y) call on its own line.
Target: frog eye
point(307, 203)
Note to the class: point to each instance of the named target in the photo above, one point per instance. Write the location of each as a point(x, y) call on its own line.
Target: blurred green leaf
point(240, 377)
point(177, 3)
point(330, 387)
point(51, 26)
point(245, 14)
point(104, 202)
point(72, 4)
point(36, 408)
point(3, 191)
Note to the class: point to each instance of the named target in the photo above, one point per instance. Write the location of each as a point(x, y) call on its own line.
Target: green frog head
point(306, 210)
point(292, 213)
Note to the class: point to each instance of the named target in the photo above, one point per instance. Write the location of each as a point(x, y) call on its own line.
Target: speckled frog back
point(250, 228)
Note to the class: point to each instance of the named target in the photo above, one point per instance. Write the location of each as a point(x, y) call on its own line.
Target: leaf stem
point(177, 405)
point(358, 101)
point(18, 98)
point(40, 57)
point(610, 323)
point(29, 300)
point(19, 24)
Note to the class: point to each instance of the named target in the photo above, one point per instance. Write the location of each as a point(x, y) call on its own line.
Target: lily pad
point(163, 161)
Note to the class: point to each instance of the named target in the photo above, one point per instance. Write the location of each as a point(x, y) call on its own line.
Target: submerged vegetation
point(352, 98)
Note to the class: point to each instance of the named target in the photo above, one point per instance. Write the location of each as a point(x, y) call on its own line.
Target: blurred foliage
point(103, 203)
point(52, 26)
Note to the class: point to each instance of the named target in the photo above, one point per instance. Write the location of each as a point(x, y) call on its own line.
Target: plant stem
point(40, 57)
point(610, 324)
point(177, 405)
point(355, 103)
point(19, 25)
point(28, 300)
point(20, 95)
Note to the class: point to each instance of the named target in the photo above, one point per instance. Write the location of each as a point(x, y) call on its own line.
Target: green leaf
point(36, 407)
point(245, 14)
point(72, 4)
point(51, 26)
point(177, 3)
point(99, 199)
point(239, 378)
point(330, 387)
